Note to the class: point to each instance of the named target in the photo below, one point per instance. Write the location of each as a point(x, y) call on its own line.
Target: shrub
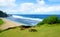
point(58, 21)
point(50, 20)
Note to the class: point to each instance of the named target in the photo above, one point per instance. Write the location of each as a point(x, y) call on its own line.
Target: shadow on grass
point(32, 30)
point(21, 28)
point(7, 29)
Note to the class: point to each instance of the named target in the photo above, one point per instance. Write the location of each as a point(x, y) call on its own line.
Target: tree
point(2, 14)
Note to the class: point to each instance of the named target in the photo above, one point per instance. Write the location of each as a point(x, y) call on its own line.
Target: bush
point(58, 21)
point(50, 20)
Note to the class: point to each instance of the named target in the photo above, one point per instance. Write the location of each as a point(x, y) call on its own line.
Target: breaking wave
point(21, 17)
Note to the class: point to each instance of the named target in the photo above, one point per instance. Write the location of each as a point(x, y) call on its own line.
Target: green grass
point(1, 22)
point(42, 31)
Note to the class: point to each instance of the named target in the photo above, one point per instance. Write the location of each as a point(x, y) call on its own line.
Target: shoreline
point(15, 21)
point(8, 23)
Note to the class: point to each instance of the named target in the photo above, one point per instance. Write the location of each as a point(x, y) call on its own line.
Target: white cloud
point(8, 6)
point(39, 7)
point(47, 9)
point(7, 3)
point(28, 8)
point(31, 7)
point(41, 2)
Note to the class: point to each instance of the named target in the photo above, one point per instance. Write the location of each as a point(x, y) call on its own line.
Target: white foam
point(15, 16)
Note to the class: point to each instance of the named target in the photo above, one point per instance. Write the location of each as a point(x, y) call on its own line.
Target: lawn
point(42, 31)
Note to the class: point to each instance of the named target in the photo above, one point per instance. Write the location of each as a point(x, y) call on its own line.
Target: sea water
point(28, 20)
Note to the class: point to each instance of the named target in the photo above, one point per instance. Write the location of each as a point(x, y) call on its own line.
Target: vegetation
point(50, 20)
point(1, 22)
point(45, 30)
point(50, 28)
point(3, 14)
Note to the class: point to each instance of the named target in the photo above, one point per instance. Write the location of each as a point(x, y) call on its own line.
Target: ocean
point(28, 20)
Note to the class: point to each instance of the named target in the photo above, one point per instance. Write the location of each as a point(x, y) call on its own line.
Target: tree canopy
point(3, 14)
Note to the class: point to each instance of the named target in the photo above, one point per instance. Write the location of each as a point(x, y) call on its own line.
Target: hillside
point(42, 31)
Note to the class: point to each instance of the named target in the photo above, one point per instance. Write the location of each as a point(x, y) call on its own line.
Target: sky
point(30, 6)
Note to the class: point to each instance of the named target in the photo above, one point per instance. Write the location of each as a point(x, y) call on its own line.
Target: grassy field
point(42, 31)
point(1, 22)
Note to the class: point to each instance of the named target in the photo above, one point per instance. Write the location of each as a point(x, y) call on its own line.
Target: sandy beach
point(8, 23)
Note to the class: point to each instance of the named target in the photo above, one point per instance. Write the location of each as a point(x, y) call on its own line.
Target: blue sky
point(30, 6)
point(24, 1)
